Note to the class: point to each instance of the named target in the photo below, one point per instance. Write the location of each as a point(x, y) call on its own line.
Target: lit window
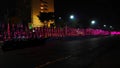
point(42, 4)
point(41, 7)
point(41, 11)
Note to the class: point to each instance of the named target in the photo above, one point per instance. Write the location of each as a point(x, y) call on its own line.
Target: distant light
point(71, 16)
point(93, 22)
point(104, 25)
point(111, 27)
point(60, 17)
point(33, 30)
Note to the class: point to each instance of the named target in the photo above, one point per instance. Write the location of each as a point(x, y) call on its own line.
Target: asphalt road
point(102, 52)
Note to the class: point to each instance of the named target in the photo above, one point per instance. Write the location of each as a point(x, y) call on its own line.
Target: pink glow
point(20, 31)
point(115, 33)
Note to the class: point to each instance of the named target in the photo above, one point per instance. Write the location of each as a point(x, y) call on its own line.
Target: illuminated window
point(41, 7)
point(41, 11)
point(42, 4)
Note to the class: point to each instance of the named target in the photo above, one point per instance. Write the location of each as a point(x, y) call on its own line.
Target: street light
point(72, 17)
point(111, 27)
point(104, 25)
point(60, 18)
point(93, 22)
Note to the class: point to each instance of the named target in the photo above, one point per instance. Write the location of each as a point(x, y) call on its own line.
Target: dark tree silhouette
point(44, 16)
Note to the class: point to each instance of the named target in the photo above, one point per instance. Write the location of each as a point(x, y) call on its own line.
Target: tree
point(46, 16)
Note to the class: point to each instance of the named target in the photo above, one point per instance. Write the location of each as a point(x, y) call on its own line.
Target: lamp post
point(92, 24)
point(72, 20)
point(72, 17)
point(104, 26)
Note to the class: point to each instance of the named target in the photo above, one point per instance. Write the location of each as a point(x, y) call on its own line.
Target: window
point(41, 7)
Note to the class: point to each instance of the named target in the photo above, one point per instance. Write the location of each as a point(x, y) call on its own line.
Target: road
point(102, 52)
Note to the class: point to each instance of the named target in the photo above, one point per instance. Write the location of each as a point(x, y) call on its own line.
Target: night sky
point(103, 11)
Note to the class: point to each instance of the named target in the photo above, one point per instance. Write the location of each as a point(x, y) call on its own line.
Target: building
point(26, 11)
point(40, 6)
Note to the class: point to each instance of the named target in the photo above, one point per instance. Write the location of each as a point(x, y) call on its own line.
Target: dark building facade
point(24, 10)
point(15, 11)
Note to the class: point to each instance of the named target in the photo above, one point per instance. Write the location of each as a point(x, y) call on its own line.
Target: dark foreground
point(102, 52)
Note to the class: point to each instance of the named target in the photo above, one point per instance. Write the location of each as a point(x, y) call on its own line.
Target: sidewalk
point(1, 43)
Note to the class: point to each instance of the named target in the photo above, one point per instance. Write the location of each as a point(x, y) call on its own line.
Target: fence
point(19, 31)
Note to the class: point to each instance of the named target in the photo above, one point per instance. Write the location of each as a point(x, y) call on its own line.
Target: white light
point(33, 31)
point(72, 17)
point(110, 26)
point(93, 22)
point(60, 18)
point(104, 25)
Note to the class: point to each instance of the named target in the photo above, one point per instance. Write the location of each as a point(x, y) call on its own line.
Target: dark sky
point(104, 11)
